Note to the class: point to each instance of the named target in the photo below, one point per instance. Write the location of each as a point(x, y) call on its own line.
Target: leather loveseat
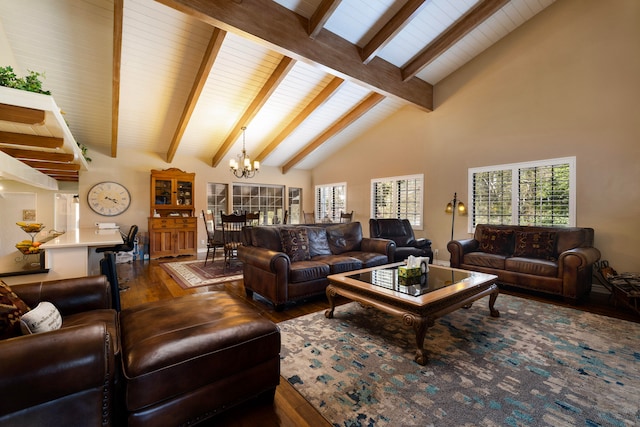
point(66, 376)
point(287, 263)
point(553, 260)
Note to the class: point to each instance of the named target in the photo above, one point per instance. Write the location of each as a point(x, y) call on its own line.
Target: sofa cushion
point(295, 243)
point(11, 309)
point(536, 267)
point(304, 271)
point(339, 263)
point(483, 259)
point(535, 244)
point(318, 241)
point(266, 237)
point(497, 242)
point(368, 259)
point(344, 237)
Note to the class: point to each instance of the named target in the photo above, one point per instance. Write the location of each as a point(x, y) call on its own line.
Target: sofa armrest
point(44, 367)
point(421, 243)
point(70, 296)
point(379, 245)
point(264, 259)
point(457, 249)
point(579, 257)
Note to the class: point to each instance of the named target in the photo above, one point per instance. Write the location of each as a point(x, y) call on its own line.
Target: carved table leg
point(420, 326)
point(330, 294)
point(492, 301)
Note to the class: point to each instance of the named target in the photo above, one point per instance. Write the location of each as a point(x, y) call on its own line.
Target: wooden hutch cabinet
point(173, 226)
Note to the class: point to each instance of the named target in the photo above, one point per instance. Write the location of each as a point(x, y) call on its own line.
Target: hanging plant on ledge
point(31, 82)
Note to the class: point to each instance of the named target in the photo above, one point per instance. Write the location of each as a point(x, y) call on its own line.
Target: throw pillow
point(318, 241)
point(295, 243)
point(496, 241)
point(535, 244)
point(44, 318)
point(11, 308)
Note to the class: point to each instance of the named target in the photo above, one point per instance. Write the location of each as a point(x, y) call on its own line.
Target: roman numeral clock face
point(109, 198)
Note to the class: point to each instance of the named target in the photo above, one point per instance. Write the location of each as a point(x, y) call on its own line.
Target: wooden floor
point(148, 282)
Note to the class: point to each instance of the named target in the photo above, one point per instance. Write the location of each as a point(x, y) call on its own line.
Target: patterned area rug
point(190, 274)
point(536, 365)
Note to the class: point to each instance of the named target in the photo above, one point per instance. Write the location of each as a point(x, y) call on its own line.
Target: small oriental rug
point(190, 274)
point(536, 365)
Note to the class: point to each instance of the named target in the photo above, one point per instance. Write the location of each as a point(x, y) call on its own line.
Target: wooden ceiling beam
point(451, 36)
point(321, 16)
point(36, 164)
point(31, 140)
point(38, 155)
point(396, 24)
point(118, 14)
point(281, 71)
point(58, 172)
point(282, 30)
point(353, 115)
point(24, 115)
point(209, 57)
point(320, 99)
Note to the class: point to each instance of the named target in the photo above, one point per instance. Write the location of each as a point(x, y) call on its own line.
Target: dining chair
point(232, 235)
point(253, 218)
point(214, 240)
point(309, 218)
point(346, 217)
point(286, 217)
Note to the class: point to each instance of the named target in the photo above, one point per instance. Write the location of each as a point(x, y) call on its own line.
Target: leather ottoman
point(187, 359)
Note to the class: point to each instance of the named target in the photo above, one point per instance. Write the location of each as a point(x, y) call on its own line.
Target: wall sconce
point(76, 198)
point(453, 206)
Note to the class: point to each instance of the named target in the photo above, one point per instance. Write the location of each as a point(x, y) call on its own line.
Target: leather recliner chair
point(401, 232)
point(65, 376)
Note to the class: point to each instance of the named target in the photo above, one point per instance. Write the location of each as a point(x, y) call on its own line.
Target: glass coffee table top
point(389, 278)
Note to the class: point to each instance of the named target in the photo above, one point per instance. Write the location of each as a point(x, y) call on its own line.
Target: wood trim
point(31, 140)
point(27, 116)
point(284, 31)
point(281, 71)
point(118, 15)
point(37, 155)
point(51, 165)
point(396, 24)
point(320, 99)
point(209, 57)
point(334, 129)
point(321, 16)
point(452, 35)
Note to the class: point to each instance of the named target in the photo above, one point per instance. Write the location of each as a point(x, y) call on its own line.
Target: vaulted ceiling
point(182, 77)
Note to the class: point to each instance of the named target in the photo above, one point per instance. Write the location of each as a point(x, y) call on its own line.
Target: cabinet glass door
point(163, 192)
point(185, 191)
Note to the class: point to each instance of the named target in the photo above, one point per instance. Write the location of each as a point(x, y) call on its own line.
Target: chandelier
point(243, 160)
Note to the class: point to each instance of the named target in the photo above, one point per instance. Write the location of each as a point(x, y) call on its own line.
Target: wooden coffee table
point(418, 302)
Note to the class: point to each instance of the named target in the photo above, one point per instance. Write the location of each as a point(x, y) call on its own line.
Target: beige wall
point(564, 84)
point(133, 170)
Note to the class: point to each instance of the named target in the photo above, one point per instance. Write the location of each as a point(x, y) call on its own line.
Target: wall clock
point(108, 198)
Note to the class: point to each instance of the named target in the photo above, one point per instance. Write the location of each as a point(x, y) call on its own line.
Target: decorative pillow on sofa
point(295, 243)
point(318, 241)
point(11, 308)
point(44, 318)
point(497, 242)
point(535, 244)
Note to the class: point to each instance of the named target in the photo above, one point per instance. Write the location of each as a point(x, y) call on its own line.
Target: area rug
point(190, 274)
point(536, 365)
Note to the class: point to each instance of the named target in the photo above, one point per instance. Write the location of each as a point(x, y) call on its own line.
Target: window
point(266, 199)
point(331, 199)
point(295, 205)
point(532, 193)
point(217, 199)
point(398, 197)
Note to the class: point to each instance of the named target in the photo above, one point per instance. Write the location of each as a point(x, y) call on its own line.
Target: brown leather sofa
point(553, 260)
point(66, 376)
point(401, 232)
point(332, 248)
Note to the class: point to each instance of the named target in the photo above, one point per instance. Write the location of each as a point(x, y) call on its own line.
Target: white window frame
point(397, 201)
point(515, 168)
point(332, 212)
